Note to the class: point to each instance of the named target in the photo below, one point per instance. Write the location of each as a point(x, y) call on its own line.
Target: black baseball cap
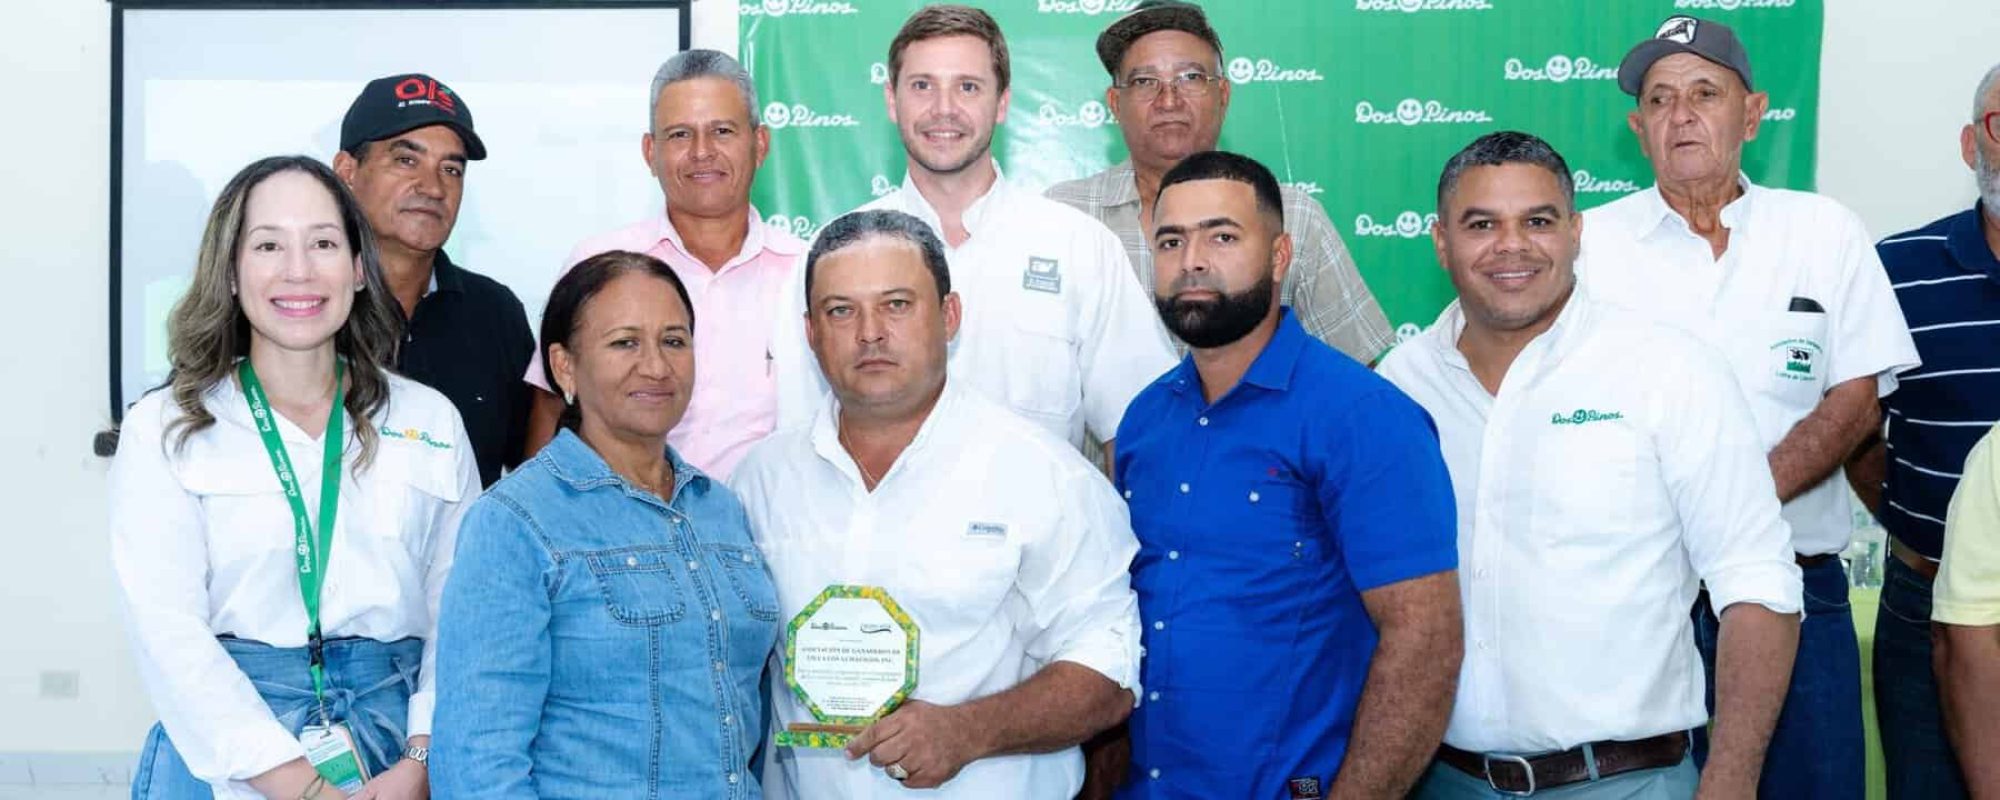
point(1681, 34)
point(399, 103)
point(1152, 16)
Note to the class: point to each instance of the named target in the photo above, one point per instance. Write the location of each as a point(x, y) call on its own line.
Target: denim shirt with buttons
point(596, 641)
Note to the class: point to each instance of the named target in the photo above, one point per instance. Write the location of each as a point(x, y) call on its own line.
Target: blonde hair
point(207, 331)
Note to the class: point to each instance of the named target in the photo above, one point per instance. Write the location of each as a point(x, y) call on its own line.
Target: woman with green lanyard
point(283, 513)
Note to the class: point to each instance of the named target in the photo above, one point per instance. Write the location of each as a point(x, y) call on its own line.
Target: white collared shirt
point(201, 541)
point(1055, 327)
point(1615, 468)
point(1007, 548)
point(1639, 253)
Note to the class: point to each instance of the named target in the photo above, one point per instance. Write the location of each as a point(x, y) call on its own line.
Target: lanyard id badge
point(330, 748)
point(329, 745)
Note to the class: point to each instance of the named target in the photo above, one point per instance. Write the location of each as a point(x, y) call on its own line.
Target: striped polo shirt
point(1948, 282)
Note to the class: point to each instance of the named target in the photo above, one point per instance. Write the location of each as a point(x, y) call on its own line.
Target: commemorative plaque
point(850, 659)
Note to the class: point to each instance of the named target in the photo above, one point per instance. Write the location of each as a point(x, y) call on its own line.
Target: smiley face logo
point(777, 115)
point(1411, 6)
point(1242, 70)
point(1093, 113)
point(1410, 111)
point(776, 8)
point(1409, 224)
point(1093, 6)
point(878, 73)
point(1560, 68)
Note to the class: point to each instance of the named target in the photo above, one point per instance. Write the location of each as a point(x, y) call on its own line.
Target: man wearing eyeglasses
point(1169, 95)
point(1947, 279)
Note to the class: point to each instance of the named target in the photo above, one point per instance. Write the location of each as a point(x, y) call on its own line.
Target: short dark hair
point(850, 229)
point(937, 22)
point(1219, 165)
point(1507, 147)
point(577, 288)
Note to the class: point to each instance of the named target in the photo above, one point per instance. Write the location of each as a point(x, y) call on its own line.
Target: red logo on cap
point(428, 91)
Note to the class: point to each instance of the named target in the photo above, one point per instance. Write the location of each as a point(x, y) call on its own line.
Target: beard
point(1206, 324)
point(1989, 181)
point(981, 148)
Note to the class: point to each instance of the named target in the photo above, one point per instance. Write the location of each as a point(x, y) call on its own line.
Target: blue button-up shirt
point(597, 641)
point(1948, 283)
point(1261, 519)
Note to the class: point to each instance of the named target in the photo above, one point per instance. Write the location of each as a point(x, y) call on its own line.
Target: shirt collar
point(1658, 212)
point(1273, 367)
point(1119, 185)
point(975, 214)
point(445, 276)
point(826, 444)
point(1442, 337)
point(576, 464)
point(758, 240)
point(1966, 239)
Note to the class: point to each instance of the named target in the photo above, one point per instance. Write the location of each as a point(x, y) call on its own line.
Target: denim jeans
point(1920, 762)
point(368, 687)
point(1444, 782)
point(1817, 750)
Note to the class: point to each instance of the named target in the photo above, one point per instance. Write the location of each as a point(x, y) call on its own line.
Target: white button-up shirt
point(1616, 467)
point(1007, 548)
point(1788, 251)
point(201, 541)
point(1055, 325)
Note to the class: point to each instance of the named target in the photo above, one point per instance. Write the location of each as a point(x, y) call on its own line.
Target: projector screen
point(558, 92)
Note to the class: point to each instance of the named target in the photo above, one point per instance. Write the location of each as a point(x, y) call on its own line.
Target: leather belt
point(1525, 775)
point(1913, 559)
point(1814, 561)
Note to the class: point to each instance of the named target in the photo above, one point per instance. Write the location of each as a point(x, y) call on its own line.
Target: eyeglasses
point(1191, 84)
point(1992, 121)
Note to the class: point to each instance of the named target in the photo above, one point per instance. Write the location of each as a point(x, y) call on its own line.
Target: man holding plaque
point(1296, 558)
point(953, 577)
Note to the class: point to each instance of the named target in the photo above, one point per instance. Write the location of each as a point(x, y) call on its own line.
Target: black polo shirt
point(469, 339)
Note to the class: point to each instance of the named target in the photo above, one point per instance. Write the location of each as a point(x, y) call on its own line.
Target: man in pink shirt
point(704, 146)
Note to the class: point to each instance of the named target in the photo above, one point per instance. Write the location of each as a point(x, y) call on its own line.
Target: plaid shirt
point(1323, 288)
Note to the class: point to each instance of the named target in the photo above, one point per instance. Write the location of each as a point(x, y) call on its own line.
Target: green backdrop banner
point(1357, 102)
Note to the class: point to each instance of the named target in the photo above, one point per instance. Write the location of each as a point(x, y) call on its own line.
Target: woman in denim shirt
point(607, 630)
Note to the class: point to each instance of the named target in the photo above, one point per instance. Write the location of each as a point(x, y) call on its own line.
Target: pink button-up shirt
point(735, 402)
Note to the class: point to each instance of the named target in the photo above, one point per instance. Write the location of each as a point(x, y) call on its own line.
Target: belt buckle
point(1486, 763)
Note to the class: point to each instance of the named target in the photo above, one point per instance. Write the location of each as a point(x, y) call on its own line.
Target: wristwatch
point(418, 753)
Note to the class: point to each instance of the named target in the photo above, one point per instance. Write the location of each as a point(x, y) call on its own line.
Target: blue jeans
point(1817, 750)
point(1920, 761)
point(368, 687)
point(1443, 782)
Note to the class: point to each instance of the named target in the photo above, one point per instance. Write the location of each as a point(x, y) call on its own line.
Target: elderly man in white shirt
point(1003, 545)
point(1056, 326)
point(1788, 286)
point(1603, 466)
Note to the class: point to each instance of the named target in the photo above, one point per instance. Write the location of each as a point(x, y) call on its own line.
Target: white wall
point(1897, 82)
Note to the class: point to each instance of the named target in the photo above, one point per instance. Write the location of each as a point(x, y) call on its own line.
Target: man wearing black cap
point(1169, 95)
point(1788, 286)
point(404, 145)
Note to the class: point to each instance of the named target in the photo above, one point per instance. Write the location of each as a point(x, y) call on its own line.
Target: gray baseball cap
point(1680, 34)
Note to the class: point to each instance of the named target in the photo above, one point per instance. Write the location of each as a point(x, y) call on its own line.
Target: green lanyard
point(311, 551)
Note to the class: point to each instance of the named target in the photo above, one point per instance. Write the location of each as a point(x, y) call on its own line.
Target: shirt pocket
point(246, 517)
point(407, 493)
point(1587, 483)
point(639, 584)
point(746, 574)
point(1789, 363)
point(1044, 380)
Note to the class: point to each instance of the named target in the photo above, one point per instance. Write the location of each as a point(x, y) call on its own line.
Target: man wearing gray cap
point(1788, 286)
point(1170, 95)
point(404, 146)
